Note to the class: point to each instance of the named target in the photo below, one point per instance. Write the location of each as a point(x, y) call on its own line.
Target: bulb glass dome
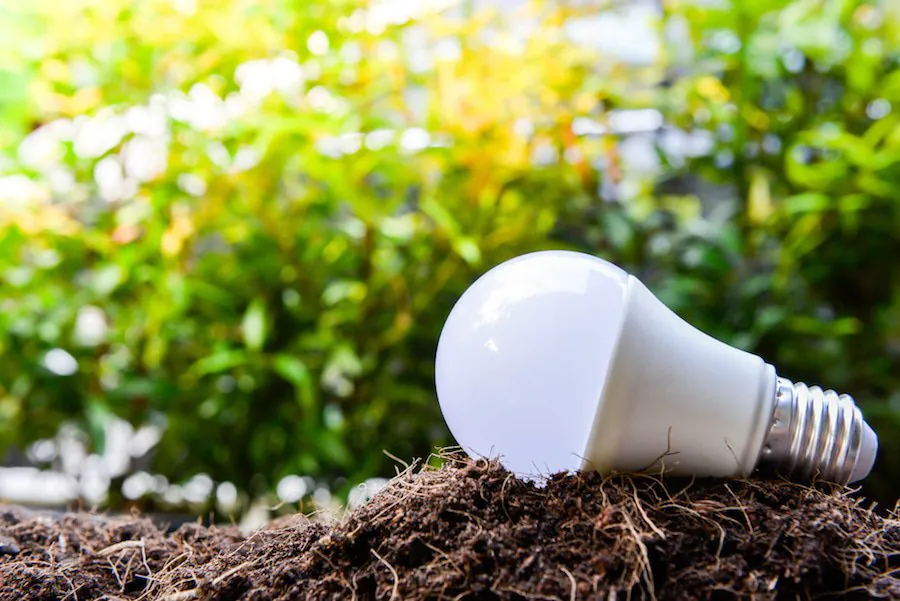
point(522, 359)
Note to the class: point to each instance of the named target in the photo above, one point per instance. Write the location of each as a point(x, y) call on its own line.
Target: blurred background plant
point(230, 231)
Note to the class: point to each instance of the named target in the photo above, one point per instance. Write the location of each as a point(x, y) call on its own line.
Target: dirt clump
point(472, 530)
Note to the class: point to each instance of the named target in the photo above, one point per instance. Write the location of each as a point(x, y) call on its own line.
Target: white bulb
point(558, 361)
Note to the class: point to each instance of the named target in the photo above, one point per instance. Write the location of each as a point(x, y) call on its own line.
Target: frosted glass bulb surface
point(522, 358)
point(557, 361)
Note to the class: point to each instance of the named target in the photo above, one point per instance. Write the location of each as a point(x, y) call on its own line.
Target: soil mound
point(471, 530)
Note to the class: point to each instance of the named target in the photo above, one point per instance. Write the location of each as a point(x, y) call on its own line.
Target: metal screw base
point(812, 432)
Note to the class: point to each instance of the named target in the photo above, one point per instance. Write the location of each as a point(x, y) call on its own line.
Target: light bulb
point(559, 361)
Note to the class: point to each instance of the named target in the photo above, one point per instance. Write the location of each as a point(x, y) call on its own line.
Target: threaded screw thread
point(812, 432)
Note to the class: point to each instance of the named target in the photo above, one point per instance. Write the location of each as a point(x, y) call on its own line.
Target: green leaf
point(806, 202)
point(253, 326)
point(98, 415)
point(343, 290)
point(468, 250)
point(219, 361)
point(106, 279)
point(291, 369)
point(294, 370)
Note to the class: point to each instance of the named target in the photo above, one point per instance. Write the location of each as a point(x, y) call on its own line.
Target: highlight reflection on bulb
point(559, 361)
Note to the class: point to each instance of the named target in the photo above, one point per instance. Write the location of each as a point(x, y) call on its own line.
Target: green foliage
point(274, 206)
point(807, 141)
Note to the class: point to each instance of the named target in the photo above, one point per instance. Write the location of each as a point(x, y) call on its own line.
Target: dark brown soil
point(473, 531)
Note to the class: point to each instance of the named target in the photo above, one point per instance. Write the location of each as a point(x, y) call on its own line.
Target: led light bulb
point(558, 361)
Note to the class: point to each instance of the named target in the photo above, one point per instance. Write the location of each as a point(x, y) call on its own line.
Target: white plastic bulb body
point(560, 361)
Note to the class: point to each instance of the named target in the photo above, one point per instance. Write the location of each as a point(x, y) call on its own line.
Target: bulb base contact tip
point(815, 432)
